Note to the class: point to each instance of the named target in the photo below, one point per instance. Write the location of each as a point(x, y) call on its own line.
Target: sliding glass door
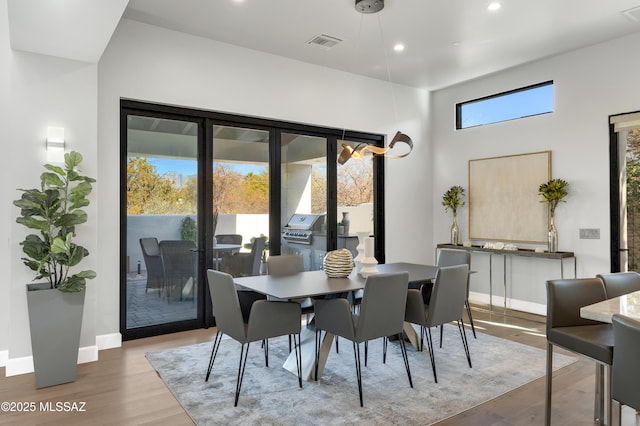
point(240, 198)
point(205, 190)
point(162, 288)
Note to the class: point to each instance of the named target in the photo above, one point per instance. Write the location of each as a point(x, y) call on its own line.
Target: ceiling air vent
point(324, 41)
point(632, 14)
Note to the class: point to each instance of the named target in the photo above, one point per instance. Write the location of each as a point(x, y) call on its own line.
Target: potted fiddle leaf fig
point(56, 303)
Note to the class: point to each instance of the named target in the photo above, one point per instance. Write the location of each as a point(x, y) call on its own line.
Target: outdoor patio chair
point(180, 259)
point(153, 264)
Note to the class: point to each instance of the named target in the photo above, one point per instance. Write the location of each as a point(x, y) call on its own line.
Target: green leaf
point(51, 179)
point(33, 223)
point(61, 246)
point(71, 219)
point(88, 274)
point(55, 169)
point(72, 160)
point(76, 254)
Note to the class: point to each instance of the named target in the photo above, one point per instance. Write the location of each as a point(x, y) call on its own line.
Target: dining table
point(222, 248)
point(318, 284)
point(627, 305)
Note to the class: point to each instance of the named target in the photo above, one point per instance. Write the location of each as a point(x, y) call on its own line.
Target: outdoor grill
point(301, 227)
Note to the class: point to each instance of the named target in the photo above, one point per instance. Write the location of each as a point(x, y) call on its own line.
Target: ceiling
point(447, 41)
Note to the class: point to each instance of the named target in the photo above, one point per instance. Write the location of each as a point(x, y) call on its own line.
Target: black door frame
point(614, 194)
point(206, 120)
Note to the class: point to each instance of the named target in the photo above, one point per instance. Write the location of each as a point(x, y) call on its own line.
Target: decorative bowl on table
point(338, 263)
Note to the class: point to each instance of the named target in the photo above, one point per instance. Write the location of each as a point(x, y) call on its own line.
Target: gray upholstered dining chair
point(568, 330)
point(619, 283)
point(450, 257)
point(626, 369)
point(266, 320)
point(446, 305)
point(285, 265)
point(381, 314)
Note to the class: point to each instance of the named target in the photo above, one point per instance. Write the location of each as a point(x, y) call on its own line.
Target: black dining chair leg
point(465, 342)
point(289, 343)
point(366, 352)
point(431, 355)
point(356, 352)
point(337, 349)
point(384, 349)
point(214, 352)
point(241, 367)
point(441, 332)
point(405, 358)
point(298, 350)
point(266, 352)
point(473, 327)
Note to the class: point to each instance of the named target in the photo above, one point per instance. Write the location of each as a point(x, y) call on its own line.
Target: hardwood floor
point(122, 388)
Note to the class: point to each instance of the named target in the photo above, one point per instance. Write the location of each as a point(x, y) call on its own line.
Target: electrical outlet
point(589, 233)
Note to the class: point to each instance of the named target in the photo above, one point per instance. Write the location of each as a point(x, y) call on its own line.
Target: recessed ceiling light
point(494, 6)
point(398, 47)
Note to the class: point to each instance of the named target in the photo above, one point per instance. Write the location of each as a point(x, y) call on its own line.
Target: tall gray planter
point(55, 319)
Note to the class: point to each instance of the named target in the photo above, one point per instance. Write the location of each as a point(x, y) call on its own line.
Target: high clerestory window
point(519, 103)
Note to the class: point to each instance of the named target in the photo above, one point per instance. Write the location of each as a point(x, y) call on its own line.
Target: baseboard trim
point(514, 304)
point(109, 341)
point(24, 365)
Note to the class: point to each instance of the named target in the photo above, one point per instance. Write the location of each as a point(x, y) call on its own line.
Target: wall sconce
point(55, 144)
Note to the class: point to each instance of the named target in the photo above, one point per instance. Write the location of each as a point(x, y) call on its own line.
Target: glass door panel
point(240, 213)
point(162, 222)
point(355, 189)
point(304, 192)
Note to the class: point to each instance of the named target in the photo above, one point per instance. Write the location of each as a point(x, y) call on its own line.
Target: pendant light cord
point(386, 61)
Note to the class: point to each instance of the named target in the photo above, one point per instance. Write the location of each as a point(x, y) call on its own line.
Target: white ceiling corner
point(70, 29)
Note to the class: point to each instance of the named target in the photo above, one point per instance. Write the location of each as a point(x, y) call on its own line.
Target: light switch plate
point(589, 233)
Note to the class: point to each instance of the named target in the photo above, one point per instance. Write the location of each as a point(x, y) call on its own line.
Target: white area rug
point(271, 396)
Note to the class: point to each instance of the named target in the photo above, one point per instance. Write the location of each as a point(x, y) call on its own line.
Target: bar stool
point(591, 339)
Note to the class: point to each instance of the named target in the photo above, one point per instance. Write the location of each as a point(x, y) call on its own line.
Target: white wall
point(42, 91)
point(6, 192)
point(156, 65)
point(590, 85)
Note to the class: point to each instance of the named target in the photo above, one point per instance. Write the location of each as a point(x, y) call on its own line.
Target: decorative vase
point(338, 263)
point(455, 231)
point(346, 222)
point(362, 237)
point(369, 262)
point(552, 236)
